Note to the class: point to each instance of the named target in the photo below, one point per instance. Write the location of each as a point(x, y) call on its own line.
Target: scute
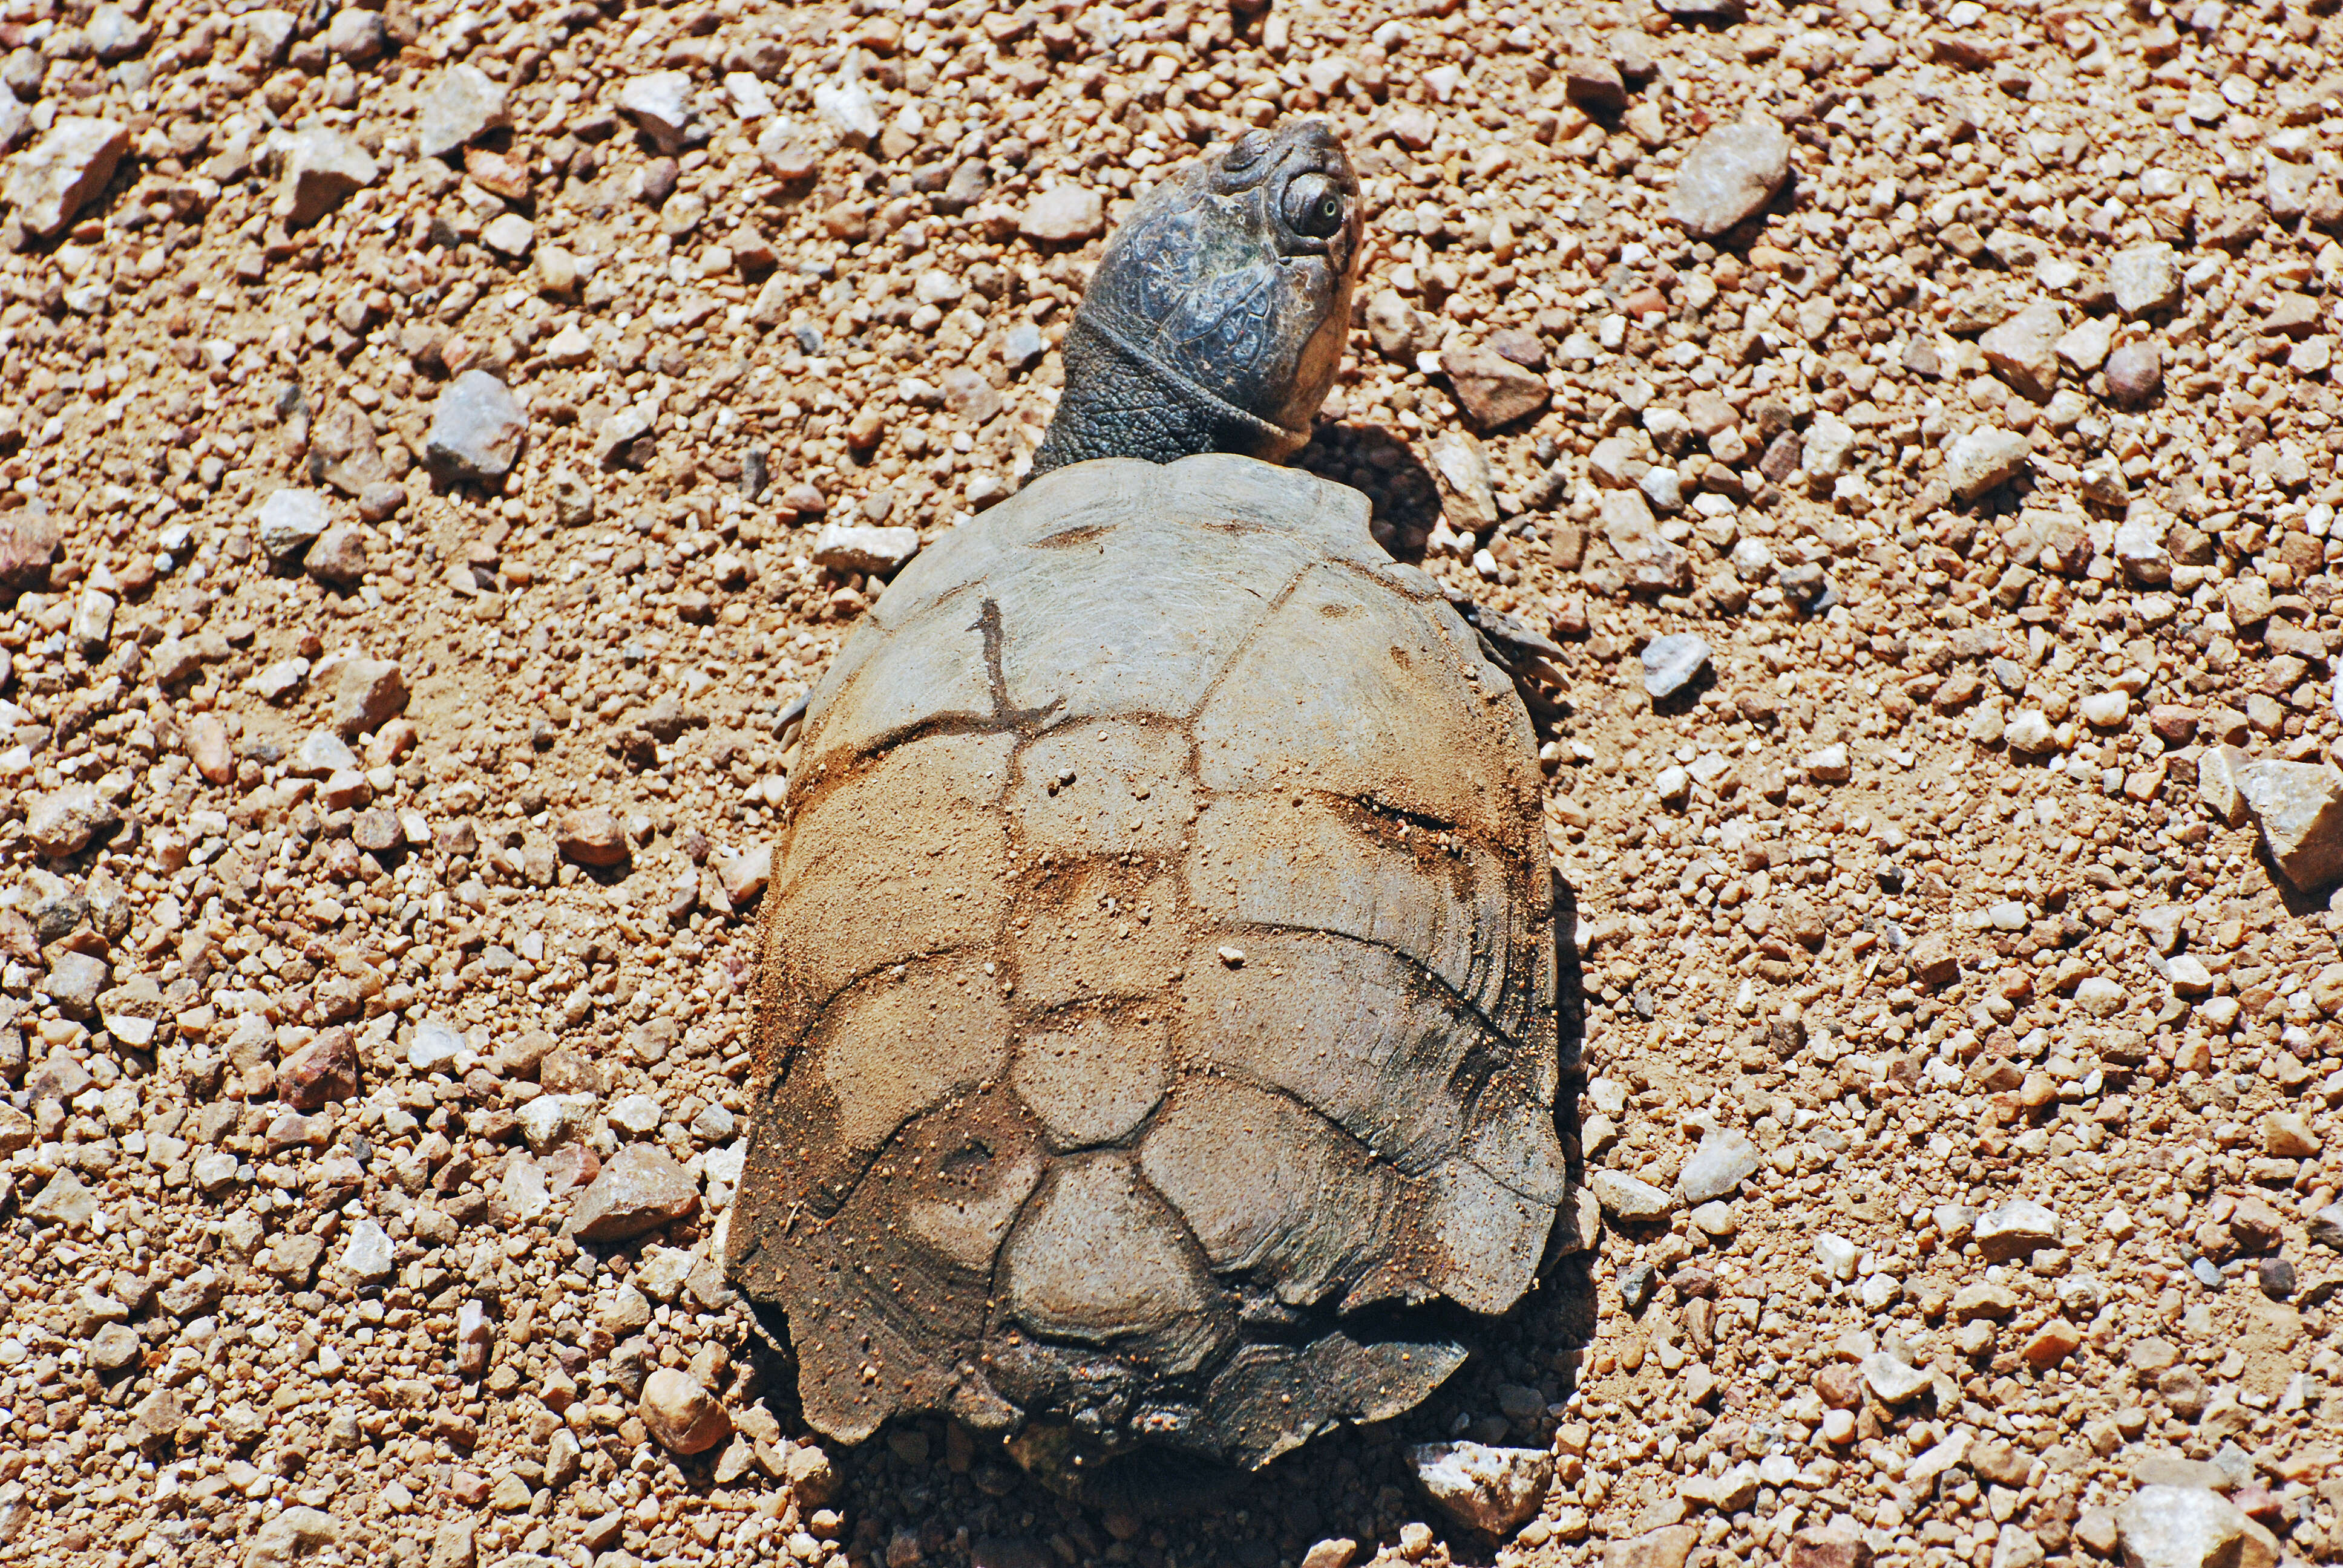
point(1099, 1260)
point(1031, 1147)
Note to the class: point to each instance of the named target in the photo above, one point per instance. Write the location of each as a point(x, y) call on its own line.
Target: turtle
point(1155, 1046)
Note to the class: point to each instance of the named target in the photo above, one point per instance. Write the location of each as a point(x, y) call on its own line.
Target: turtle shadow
point(1379, 465)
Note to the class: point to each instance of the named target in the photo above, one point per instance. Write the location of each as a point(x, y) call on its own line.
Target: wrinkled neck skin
point(1118, 404)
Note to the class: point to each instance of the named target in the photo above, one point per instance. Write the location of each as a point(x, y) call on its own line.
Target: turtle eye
point(1314, 207)
point(1247, 152)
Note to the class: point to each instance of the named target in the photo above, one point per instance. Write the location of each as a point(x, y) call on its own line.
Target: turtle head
point(1216, 318)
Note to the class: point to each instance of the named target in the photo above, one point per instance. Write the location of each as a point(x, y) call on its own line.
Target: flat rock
point(2023, 349)
point(1628, 1198)
point(1891, 1382)
point(1492, 1490)
point(29, 537)
point(1981, 459)
point(322, 170)
point(1672, 662)
point(2298, 807)
point(2015, 1229)
point(1063, 215)
point(477, 426)
point(641, 1190)
point(1490, 388)
point(1467, 489)
point(1666, 1547)
point(861, 548)
point(2145, 280)
point(288, 520)
point(321, 1073)
point(660, 103)
point(1730, 173)
point(52, 181)
point(2182, 1527)
point(290, 1536)
point(1828, 1548)
point(64, 822)
point(464, 104)
point(367, 693)
point(1717, 1168)
point(66, 1200)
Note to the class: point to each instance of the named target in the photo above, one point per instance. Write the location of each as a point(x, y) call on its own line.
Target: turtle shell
point(1156, 1029)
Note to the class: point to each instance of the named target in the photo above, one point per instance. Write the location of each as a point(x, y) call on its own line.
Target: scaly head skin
point(1216, 318)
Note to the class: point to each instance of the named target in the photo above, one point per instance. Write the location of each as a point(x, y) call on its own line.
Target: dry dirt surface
point(441, 445)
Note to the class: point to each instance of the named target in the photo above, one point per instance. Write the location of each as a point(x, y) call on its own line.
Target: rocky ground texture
point(1896, 444)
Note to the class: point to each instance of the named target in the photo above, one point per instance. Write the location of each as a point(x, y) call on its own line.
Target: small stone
point(290, 1536)
point(1666, 1547)
point(322, 170)
point(2053, 1342)
point(1492, 1490)
point(338, 557)
point(2015, 1229)
point(66, 1200)
point(115, 35)
point(367, 693)
point(1637, 1284)
point(1063, 215)
point(1628, 1198)
point(356, 35)
point(2135, 371)
point(366, 1256)
point(2220, 783)
point(50, 183)
point(1730, 174)
point(2025, 349)
point(2145, 280)
point(1672, 662)
point(2016, 1548)
point(680, 1415)
point(1023, 347)
point(744, 873)
point(2183, 1527)
point(641, 1190)
point(62, 822)
point(2084, 347)
point(1891, 1382)
point(288, 520)
point(591, 836)
point(1981, 459)
point(1824, 451)
point(1829, 1548)
point(859, 547)
point(2298, 807)
point(1837, 1256)
point(1468, 492)
point(508, 234)
point(2325, 1226)
point(1717, 1168)
point(660, 103)
point(970, 397)
point(477, 426)
point(114, 1347)
point(321, 1073)
point(464, 104)
point(2276, 1278)
point(1490, 388)
point(29, 539)
point(1335, 1552)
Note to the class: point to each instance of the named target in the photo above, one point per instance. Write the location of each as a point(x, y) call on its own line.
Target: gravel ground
point(449, 441)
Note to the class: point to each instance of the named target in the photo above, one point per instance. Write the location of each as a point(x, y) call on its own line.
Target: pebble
point(1062, 215)
point(1492, 1490)
point(878, 552)
point(1492, 390)
point(1729, 175)
point(2298, 807)
point(2145, 280)
point(2015, 1230)
point(477, 426)
point(1982, 459)
point(591, 836)
point(48, 185)
point(323, 169)
point(641, 1190)
point(1717, 1168)
point(681, 1415)
point(2135, 372)
point(2182, 1527)
point(289, 520)
point(464, 104)
point(1628, 1198)
point(661, 103)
